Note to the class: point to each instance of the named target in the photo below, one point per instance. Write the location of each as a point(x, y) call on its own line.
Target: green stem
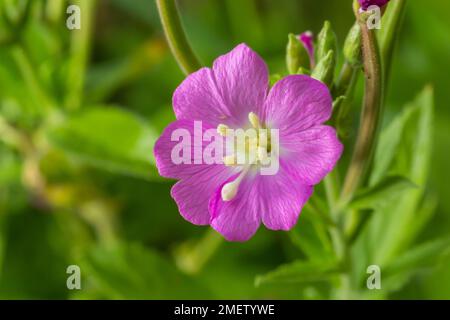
point(389, 32)
point(79, 50)
point(371, 113)
point(176, 36)
point(387, 39)
point(322, 215)
point(31, 77)
point(192, 257)
point(331, 191)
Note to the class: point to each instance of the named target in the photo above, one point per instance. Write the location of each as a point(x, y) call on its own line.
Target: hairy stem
point(176, 37)
point(371, 113)
point(387, 38)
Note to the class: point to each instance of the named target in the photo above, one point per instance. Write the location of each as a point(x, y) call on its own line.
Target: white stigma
point(230, 189)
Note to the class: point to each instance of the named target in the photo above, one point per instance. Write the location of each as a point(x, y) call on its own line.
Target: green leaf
point(109, 138)
point(421, 256)
point(36, 254)
point(388, 144)
point(300, 272)
point(310, 235)
point(134, 272)
point(424, 256)
point(382, 193)
point(393, 230)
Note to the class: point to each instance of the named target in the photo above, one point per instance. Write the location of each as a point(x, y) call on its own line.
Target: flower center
point(248, 148)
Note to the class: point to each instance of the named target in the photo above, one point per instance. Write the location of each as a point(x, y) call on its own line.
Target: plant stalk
point(176, 37)
point(371, 113)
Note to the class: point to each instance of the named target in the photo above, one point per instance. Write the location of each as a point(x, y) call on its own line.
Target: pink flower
point(367, 3)
point(307, 39)
point(234, 93)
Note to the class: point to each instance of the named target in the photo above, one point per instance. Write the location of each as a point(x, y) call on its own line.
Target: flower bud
point(296, 55)
point(307, 39)
point(352, 46)
point(324, 71)
point(326, 41)
point(365, 4)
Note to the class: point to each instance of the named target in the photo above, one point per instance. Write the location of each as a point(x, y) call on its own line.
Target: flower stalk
point(176, 37)
point(371, 114)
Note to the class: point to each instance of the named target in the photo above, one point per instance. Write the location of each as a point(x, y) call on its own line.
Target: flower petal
point(197, 98)
point(296, 103)
point(284, 198)
point(169, 139)
point(275, 200)
point(238, 219)
point(192, 194)
point(311, 153)
point(242, 79)
point(236, 85)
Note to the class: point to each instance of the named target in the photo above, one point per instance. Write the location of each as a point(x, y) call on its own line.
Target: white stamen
point(230, 189)
point(254, 120)
point(263, 138)
point(222, 129)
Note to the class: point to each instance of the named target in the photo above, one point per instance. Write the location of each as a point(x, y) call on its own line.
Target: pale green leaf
point(388, 144)
point(300, 272)
point(109, 138)
point(382, 193)
point(394, 226)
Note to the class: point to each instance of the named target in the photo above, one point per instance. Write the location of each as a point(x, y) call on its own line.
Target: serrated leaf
point(382, 193)
point(300, 272)
point(109, 138)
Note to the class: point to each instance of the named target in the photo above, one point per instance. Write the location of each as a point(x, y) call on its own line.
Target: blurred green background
point(80, 111)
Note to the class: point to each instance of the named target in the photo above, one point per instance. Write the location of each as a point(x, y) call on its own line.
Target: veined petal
point(284, 197)
point(307, 39)
point(170, 138)
point(236, 85)
point(197, 98)
point(275, 200)
point(238, 219)
point(311, 154)
point(192, 194)
point(296, 103)
point(242, 79)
